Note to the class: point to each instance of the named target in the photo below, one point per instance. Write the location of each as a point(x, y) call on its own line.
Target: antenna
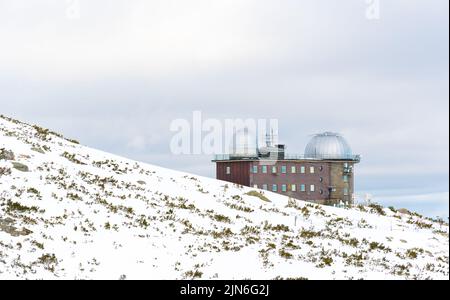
point(271, 138)
point(234, 140)
point(246, 141)
point(268, 140)
point(257, 139)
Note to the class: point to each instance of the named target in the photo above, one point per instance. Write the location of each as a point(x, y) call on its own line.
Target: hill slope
point(68, 211)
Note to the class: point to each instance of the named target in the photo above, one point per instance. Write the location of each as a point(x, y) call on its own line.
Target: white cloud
point(137, 143)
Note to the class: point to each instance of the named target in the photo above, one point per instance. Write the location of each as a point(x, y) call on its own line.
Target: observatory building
point(324, 174)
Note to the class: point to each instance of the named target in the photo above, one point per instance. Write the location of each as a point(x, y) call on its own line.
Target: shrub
point(33, 191)
point(222, 218)
point(279, 227)
point(49, 260)
point(74, 197)
point(420, 224)
point(378, 246)
point(271, 246)
point(392, 209)
point(15, 206)
point(221, 234)
point(308, 234)
point(193, 274)
point(326, 261)
point(414, 253)
point(72, 158)
point(258, 195)
point(283, 253)
point(377, 208)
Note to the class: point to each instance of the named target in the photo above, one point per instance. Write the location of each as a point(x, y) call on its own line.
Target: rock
point(6, 155)
point(6, 225)
point(5, 171)
point(39, 150)
point(404, 211)
point(20, 167)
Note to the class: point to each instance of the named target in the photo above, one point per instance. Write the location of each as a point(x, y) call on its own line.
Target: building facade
point(324, 174)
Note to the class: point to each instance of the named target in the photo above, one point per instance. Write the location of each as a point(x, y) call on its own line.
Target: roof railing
point(224, 157)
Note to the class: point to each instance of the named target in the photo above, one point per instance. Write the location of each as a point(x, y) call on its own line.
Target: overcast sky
point(115, 73)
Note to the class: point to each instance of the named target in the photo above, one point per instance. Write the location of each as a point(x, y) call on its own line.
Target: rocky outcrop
point(20, 167)
point(7, 225)
point(6, 154)
point(5, 171)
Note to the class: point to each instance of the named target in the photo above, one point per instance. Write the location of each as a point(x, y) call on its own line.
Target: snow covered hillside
point(71, 212)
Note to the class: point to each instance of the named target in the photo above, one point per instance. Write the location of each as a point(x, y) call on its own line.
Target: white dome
point(328, 145)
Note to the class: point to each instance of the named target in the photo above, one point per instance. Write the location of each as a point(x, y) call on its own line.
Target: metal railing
point(223, 157)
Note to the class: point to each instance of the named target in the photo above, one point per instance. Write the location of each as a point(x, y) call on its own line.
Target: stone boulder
point(6, 155)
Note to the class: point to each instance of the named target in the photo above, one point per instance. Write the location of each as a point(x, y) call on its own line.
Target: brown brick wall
point(338, 183)
point(240, 172)
point(289, 178)
point(328, 174)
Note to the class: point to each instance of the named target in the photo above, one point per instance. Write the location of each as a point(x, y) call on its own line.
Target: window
point(345, 178)
point(312, 170)
point(274, 188)
point(264, 169)
point(255, 170)
point(274, 169)
point(302, 169)
point(264, 187)
point(283, 169)
point(293, 187)
point(302, 188)
point(293, 170)
point(345, 191)
point(255, 186)
point(228, 170)
point(312, 188)
point(283, 188)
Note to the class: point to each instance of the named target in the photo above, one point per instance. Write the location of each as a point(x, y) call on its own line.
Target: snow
point(101, 216)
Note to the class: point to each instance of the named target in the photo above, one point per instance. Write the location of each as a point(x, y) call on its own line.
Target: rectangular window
point(264, 187)
point(312, 170)
point(345, 191)
point(274, 169)
point(302, 169)
point(264, 169)
point(283, 169)
point(228, 170)
point(302, 187)
point(312, 188)
point(345, 178)
point(255, 170)
point(283, 188)
point(293, 187)
point(255, 186)
point(293, 170)
point(274, 188)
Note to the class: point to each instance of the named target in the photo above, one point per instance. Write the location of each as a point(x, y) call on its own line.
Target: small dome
point(328, 145)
